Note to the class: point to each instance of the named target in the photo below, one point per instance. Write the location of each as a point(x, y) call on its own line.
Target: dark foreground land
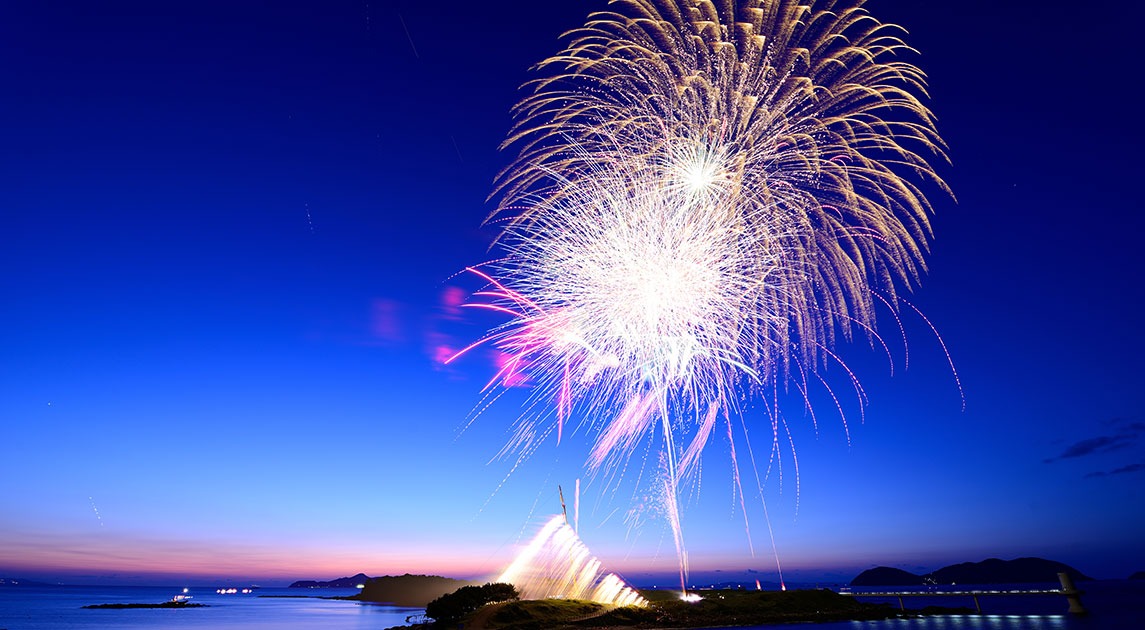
point(666, 610)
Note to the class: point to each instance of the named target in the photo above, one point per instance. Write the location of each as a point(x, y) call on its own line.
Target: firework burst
point(705, 195)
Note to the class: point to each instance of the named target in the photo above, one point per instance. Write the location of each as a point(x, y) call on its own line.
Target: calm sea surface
point(1113, 605)
point(61, 608)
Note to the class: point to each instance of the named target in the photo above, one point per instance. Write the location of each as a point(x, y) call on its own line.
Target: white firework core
point(648, 276)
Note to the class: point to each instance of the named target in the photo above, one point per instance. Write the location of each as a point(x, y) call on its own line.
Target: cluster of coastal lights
point(232, 591)
point(1050, 591)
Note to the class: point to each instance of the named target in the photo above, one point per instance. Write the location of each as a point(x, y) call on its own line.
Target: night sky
point(230, 245)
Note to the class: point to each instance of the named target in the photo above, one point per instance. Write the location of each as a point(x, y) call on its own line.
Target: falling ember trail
point(96, 510)
point(576, 508)
point(704, 196)
point(408, 36)
point(564, 511)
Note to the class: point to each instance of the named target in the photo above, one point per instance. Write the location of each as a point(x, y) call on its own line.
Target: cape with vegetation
point(452, 608)
point(468, 608)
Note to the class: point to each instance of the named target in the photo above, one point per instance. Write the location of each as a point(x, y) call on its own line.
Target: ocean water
point(1113, 605)
point(61, 608)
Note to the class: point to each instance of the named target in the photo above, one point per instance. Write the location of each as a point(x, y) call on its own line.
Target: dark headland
point(344, 582)
point(989, 571)
point(414, 591)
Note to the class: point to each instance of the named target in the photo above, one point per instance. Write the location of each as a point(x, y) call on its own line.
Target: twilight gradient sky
point(229, 235)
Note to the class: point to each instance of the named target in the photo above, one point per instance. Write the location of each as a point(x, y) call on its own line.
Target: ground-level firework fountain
point(557, 564)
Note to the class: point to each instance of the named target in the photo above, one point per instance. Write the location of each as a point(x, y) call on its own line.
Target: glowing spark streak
point(691, 456)
point(623, 432)
point(677, 531)
point(492, 307)
point(96, 510)
point(838, 407)
point(457, 149)
point(563, 403)
point(576, 508)
point(738, 489)
point(902, 331)
point(949, 359)
point(408, 36)
point(763, 502)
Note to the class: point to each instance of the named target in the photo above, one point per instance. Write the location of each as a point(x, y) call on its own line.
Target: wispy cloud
point(1122, 434)
point(1131, 468)
point(1126, 433)
point(1102, 444)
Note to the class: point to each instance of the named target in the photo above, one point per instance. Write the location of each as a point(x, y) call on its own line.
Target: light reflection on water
point(953, 622)
point(971, 622)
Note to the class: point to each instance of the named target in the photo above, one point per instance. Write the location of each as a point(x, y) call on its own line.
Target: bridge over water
point(1067, 590)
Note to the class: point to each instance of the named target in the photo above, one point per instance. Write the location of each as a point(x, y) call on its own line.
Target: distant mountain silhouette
point(1140, 575)
point(345, 582)
point(886, 576)
point(989, 571)
point(995, 571)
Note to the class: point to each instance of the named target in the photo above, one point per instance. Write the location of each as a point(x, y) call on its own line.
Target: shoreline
point(715, 609)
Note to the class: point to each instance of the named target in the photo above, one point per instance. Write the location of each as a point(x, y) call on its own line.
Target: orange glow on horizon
point(119, 556)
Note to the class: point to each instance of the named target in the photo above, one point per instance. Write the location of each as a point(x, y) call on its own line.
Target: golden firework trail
point(706, 196)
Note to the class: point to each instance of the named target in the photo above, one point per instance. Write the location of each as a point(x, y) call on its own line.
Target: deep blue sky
point(229, 231)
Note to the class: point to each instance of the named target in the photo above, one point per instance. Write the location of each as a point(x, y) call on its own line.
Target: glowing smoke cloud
point(557, 564)
point(706, 195)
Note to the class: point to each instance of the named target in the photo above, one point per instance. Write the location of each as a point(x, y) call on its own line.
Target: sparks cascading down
point(705, 196)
